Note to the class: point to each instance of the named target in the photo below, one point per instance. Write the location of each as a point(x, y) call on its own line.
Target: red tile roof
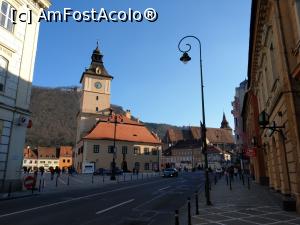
point(213, 149)
point(214, 135)
point(126, 130)
point(65, 151)
point(29, 153)
point(48, 152)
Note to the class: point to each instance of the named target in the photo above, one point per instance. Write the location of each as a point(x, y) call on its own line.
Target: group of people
point(70, 170)
point(234, 172)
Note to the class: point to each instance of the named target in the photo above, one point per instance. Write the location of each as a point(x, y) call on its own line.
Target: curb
point(18, 197)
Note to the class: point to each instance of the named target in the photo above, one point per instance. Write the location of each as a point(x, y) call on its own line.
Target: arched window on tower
point(96, 109)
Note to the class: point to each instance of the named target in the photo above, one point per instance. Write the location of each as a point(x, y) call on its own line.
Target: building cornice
point(44, 4)
point(258, 20)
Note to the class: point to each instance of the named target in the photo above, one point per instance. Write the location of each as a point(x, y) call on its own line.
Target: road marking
point(76, 180)
point(163, 188)
point(115, 206)
point(78, 198)
point(61, 180)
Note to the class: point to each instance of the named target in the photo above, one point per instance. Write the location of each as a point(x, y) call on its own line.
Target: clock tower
point(95, 96)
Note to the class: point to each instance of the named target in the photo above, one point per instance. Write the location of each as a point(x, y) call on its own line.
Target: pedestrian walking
point(52, 172)
point(231, 172)
point(235, 171)
point(42, 170)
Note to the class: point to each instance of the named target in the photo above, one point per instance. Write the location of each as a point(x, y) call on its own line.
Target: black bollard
point(197, 203)
point(43, 186)
point(9, 190)
point(243, 180)
point(32, 188)
point(40, 184)
point(176, 217)
point(248, 182)
point(230, 183)
point(189, 212)
point(56, 181)
point(68, 180)
point(215, 179)
point(227, 180)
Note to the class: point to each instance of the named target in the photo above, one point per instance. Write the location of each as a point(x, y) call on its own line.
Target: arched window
point(3, 72)
point(6, 16)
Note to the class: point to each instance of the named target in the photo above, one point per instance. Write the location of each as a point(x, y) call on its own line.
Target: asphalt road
point(144, 202)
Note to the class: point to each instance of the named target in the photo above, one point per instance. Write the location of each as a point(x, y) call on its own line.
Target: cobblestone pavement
point(243, 206)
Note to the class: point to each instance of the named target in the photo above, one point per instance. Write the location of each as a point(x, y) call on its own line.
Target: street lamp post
point(113, 163)
point(185, 58)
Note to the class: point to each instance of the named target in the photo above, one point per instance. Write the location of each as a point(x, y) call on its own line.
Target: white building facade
point(18, 44)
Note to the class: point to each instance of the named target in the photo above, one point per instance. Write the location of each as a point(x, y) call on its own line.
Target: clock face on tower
point(98, 85)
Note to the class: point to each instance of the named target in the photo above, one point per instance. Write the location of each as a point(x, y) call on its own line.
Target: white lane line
point(76, 180)
point(115, 206)
point(78, 198)
point(163, 188)
point(61, 180)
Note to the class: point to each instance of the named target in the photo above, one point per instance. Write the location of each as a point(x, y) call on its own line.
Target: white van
point(88, 168)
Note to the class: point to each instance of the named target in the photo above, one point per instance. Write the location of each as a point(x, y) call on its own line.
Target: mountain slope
point(54, 117)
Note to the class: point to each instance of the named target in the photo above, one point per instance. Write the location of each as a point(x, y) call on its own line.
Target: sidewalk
point(65, 182)
point(257, 205)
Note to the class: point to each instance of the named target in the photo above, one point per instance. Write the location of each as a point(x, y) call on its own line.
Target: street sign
point(250, 152)
point(29, 182)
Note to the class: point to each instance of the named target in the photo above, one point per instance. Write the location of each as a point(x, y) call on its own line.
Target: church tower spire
point(224, 123)
point(97, 56)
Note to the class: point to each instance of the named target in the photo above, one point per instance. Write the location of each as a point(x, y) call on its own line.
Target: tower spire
point(224, 123)
point(97, 56)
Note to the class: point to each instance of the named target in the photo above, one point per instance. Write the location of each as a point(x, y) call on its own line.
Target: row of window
point(68, 161)
point(136, 150)
point(146, 166)
point(35, 161)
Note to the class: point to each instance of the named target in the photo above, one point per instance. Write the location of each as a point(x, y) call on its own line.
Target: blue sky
point(143, 57)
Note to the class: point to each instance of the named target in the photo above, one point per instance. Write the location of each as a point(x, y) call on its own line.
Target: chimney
point(128, 114)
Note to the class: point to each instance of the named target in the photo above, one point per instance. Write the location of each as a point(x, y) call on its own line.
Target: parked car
point(170, 172)
point(101, 171)
point(117, 171)
point(219, 170)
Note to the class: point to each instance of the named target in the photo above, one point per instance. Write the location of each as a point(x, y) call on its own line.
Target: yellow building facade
point(274, 94)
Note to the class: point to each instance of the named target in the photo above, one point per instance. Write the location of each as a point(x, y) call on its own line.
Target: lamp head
point(185, 58)
point(263, 119)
